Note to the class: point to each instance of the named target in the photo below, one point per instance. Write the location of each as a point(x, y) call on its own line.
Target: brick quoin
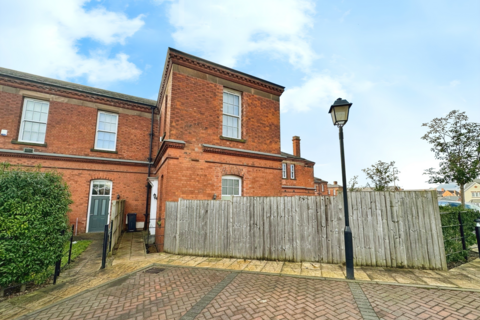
point(189, 154)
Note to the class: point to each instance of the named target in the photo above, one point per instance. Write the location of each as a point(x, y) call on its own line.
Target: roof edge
point(24, 76)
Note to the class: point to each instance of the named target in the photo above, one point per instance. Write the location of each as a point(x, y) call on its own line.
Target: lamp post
point(339, 111)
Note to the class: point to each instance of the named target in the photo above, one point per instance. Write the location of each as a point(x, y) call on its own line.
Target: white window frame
point(284, 171)
point(292, 171)
point(328, 192)
point(116, 131)
point(22, 122)
point(322, 187)
point(231, 177)
point(90, 199)
point(239, 134)
point(475, 194)
point(334, 192)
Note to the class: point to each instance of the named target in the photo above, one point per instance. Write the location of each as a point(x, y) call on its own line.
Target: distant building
point(472, 191)
point(334, 188)
point(321, 187)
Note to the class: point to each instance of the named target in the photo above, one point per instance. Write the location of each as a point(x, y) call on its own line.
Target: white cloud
point(41, 37)
point(224, 31)
point(319, 91)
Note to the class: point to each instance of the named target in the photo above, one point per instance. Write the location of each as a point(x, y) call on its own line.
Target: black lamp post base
point(349, 253)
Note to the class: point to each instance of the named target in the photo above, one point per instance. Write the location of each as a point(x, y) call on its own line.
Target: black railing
point(454, 235)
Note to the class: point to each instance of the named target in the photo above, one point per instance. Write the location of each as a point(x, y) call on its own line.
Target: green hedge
point(33, 213)
point(449, 216)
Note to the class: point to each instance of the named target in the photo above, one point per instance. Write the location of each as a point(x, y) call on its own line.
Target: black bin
point(132, 222)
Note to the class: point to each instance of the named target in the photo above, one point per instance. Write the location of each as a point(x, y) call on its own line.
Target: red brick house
point(96, 138)
point(213, 133)
point(321, 187)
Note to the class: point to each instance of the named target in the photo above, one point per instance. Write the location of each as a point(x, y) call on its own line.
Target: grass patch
point(77, 249)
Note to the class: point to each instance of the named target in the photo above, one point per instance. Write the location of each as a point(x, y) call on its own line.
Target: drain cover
point(154, 270)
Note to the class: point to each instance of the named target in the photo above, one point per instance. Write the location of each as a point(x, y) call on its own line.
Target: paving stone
point(402, 302)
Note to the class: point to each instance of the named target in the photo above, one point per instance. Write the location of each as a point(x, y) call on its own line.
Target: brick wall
point(127, 181)
point(71, 129)
point(196, 116)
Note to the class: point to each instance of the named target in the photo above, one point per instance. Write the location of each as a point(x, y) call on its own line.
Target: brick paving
point(176, 291)
point(255, 296)
point(401, 302)
point(166, 295)
point(216, 288)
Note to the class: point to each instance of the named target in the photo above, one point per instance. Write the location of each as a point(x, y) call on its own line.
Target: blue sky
point(401, 63)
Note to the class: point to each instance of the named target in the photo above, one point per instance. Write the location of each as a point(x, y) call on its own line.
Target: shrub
point(33, 214)
point(451, 235)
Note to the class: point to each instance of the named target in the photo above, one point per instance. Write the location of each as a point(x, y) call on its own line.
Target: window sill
point(29, 143)
point(233, 139)
point(105, 151)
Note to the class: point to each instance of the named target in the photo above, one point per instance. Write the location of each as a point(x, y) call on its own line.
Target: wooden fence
point(116, 220)
point(390, 229)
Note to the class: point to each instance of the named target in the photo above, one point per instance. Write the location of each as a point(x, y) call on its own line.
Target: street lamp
point(339, 111)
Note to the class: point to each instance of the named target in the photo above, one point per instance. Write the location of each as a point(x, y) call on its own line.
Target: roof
point(470, 184)
point(198, 59)
point(318, 180)
point(288, 155)
point(74, 86)
point(334, 186)
point(175, 56)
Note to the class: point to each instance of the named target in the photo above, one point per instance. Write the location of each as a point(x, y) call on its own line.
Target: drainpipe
point(147, 220)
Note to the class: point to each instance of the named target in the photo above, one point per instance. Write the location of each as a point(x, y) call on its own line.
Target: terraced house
point(213, 133)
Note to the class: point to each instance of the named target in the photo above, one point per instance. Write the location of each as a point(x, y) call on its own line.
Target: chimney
point(296, 146)
point(335, 182)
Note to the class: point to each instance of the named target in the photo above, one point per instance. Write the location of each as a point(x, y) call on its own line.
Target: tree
point(456, 143)
point(353, 184)
point(33, 214)
point(382, 174)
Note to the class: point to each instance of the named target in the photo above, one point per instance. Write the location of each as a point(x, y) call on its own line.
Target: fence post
point(462, 234)
point(58, 264)
point(477, 233)
point(105, 243)
point(110, 237)
point(71, 244)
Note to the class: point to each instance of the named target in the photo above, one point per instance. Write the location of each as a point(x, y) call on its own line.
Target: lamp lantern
point(339, 111)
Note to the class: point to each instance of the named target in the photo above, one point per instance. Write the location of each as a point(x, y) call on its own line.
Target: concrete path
point(190, 287)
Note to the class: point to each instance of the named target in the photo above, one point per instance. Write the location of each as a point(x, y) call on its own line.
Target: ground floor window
point(231, 186)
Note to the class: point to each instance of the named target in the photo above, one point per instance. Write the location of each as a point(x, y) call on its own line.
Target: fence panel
point(116, 220)
point(391, 229)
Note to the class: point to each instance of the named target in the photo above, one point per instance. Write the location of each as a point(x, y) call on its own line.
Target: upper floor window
point(322, 188)
point(231, 115)
point(292, 171)
point(476, 194)
point(284, 171)
point(106, 138)
point(34, 121)
point(231, 186)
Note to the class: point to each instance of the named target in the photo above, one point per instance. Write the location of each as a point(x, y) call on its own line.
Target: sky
point(401, 63)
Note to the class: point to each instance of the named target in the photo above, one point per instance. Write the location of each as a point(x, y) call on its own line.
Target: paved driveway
point(168, 292)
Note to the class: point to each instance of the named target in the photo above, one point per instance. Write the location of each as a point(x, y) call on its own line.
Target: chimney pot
point(334, 182)
point(296, 146)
